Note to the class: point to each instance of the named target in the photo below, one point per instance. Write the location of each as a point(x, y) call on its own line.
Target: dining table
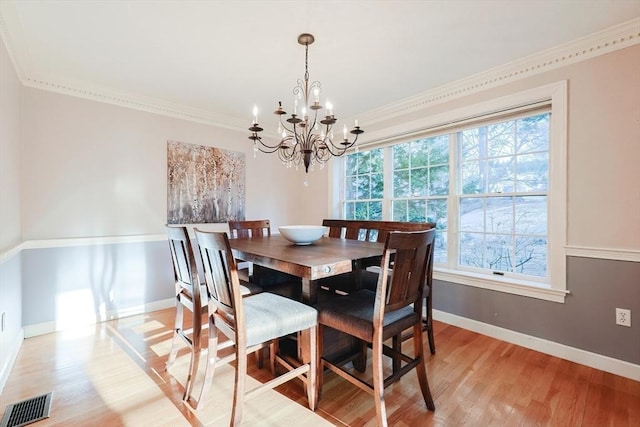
point(326, 257)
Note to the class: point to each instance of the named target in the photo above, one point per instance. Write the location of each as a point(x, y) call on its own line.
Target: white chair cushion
point(269, 316)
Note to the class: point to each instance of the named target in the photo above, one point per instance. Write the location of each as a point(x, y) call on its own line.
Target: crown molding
point(614, 38)
point(609, 40)
point(148, 104)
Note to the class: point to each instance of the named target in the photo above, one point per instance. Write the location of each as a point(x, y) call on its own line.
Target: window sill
point(500, 284)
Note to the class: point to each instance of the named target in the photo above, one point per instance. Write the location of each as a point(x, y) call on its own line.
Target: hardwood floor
point(113, 375)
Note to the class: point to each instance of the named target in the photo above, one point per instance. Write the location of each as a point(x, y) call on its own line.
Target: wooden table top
point(326, 257)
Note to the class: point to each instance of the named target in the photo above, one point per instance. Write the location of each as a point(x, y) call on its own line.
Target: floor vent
point(27, 412)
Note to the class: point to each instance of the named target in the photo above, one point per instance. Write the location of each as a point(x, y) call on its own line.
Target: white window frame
point(555, 95)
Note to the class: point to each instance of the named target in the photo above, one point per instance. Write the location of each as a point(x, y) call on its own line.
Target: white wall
point(10, 260)
point(10, 153)
point(94, 169)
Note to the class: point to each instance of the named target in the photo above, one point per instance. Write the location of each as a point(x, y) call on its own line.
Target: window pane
point(362, 187)
point(352, 164)
point(472, 214)
point(440, 251)
point(472, 181)
point(375, 210)
point(377, 160)
point(471, 250)
point(419, 153)
point(401, 156)
point(533, 172)
point(377, 186)
point(470, 144)
point(439, 150)
point(419, 182)
point(437, 213)
point(439, 181)
point(498, 256)
point(351, 187)
point(362, 210)
point(499, 215)
point(363, 162)
point(533, 133)
point(501, 175)
point(417, 210)
point(531, 215)
point(350, 210)
point(531, 256)
point(401, 184)
point(399, 209)
point(501, 139)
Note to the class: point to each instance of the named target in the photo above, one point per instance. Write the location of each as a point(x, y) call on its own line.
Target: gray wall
point(78, 283)
point(586, 320)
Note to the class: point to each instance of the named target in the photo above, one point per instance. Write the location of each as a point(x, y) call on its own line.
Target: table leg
point(309, 291)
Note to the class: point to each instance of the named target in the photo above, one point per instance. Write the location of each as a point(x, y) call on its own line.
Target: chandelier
point(306, 138)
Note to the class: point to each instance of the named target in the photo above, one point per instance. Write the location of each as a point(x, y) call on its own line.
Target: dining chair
point(190, 295)
point(374, 317)
point(251, 323)
point(270, 280)
point(373, 230)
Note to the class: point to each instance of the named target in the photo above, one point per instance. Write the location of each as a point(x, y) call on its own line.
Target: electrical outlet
point(623, 317)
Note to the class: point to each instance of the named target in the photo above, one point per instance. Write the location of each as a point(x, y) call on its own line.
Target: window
point(364, 185)
point(493, 180)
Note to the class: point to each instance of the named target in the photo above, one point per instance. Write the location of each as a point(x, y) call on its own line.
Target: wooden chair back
point(370, 230)
point(221, 276)
point(411, 252)
point(248, 229)
point(184, 264)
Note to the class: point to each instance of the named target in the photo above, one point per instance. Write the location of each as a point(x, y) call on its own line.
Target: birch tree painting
point(204, 184)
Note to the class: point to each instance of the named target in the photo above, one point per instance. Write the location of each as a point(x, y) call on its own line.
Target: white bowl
point(302, 234)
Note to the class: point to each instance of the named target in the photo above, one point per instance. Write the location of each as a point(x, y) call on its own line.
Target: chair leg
point(428, 325)
point(261, 354)
point(176, 338)
point(212, 354)
point(378, 381)
point(429, 329)
point(319, 366)
point(360, 362)
point(397, 346)
point(418, 349)
point(196, 346)
point(312, 395)
point(274, 348)
point(240, 384)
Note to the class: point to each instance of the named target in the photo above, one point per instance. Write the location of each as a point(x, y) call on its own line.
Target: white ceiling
point(222, 57)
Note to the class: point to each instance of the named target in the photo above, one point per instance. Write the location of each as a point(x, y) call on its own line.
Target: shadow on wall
point(69, 287)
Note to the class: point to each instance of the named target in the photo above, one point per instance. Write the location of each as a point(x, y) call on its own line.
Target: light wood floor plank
point(113, 375)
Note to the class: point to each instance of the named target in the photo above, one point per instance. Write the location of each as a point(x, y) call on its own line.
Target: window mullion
point(387, 170)
point(453, 200)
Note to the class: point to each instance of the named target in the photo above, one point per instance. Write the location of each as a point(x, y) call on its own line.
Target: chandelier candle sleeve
point(308, 139)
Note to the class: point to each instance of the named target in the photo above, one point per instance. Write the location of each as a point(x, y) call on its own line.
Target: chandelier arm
point(259, 143)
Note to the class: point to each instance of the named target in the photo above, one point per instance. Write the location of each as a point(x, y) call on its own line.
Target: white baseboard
point(593, 360)
point(53, 326)
point(6, 367)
